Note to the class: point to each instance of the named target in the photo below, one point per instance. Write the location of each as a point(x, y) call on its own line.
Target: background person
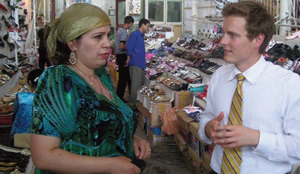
point(121, 41)
point(253, 106)
point(79, 124)
point(43, 56)
point(136, 60)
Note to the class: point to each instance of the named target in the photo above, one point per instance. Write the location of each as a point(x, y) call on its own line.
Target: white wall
point(194, 10)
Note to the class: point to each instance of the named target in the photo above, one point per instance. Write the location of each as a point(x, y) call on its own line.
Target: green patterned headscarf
point(76, 20)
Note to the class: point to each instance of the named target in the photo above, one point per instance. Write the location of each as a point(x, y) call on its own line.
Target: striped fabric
point(232, 158)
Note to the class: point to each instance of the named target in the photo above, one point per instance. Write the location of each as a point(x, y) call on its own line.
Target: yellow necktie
point(232, 158)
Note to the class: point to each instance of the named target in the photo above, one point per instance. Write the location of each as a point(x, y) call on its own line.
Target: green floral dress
point(67, 107)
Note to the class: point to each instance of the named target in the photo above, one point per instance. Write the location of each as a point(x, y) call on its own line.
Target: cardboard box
point(211, 148)
point(185, 135)
point(206, 168)
point(195, 145)
point(180, 142)
point(184, 120)
point(142, 121)
point(197, 161)
point(207, 157)
point(183, 98)
point(157, 109)
point(154, 130)
point(142, 109)
point(113, 72)
point(200, 102)
point(187, 159)
point(154, 117)
point(194, 127)
point(202, 169)
point(158, 139)
point(199, 146)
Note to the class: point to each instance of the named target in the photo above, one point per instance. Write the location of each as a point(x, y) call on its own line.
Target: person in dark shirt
point(43, 58)
point(136, 59)
point(121, 41)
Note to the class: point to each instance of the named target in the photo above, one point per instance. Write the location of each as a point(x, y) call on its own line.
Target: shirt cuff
point(202, 133)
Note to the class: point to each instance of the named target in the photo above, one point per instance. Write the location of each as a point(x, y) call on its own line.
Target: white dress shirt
point(271, 104)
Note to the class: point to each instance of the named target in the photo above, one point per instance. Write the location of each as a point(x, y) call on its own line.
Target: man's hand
point(230, 136)
point(127, 61)
point(210, 126)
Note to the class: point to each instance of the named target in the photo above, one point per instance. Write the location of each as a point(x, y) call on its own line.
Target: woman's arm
point(47, 155)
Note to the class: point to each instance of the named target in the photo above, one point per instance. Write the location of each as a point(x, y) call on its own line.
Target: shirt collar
point(251, 74)
point(142, 34)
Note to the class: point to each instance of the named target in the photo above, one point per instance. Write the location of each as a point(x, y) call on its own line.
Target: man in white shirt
point(268, 137)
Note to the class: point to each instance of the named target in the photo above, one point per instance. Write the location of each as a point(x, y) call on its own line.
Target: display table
point(10, 84)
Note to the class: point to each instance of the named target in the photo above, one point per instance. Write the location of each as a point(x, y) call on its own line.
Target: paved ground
point(165, 159)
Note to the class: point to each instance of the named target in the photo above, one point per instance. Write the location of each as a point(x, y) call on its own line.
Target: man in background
point(136, 60)
point(121, 41)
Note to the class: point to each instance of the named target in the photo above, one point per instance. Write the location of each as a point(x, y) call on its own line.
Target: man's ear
point(259, 39)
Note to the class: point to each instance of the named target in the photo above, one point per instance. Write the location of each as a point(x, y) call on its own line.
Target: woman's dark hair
point(41, 33)
point(33, 77)
point(62, 54)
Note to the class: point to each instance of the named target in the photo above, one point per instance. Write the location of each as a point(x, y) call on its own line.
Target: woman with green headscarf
point(79, 125)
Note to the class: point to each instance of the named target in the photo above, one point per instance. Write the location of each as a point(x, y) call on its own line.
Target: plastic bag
point(169, 121)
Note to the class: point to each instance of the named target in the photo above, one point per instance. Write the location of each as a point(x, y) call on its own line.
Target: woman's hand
point(123, 165)
point(142, 148)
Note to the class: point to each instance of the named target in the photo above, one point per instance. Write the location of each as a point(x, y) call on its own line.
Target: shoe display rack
point(9, 28)
point(13, 65)
point(158, 35)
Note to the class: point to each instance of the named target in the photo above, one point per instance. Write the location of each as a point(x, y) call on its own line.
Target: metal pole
point(45, 13)
point(284, 13)
point(16, 16)
point(34, 25)
point(194, 13)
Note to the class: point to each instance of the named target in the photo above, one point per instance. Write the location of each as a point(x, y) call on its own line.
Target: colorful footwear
point(6, 22)
point(293, 36)
point(3, 7)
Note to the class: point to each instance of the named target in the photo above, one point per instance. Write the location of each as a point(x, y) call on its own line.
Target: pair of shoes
point(11, 45)
point(293, 36)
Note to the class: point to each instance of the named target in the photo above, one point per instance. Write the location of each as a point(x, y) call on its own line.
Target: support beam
point(285, 13)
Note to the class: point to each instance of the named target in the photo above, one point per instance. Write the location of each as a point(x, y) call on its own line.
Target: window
point(156, 10)
point(164, 11)
point(174, 11)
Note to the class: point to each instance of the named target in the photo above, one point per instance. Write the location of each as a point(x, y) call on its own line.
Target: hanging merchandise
point(134, 7)
point(3, 7)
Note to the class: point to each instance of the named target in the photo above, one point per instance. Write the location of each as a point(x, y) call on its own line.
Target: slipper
point(3, 7)
point(293, 36)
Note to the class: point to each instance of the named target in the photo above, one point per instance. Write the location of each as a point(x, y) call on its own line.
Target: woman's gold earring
point(72, 58)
